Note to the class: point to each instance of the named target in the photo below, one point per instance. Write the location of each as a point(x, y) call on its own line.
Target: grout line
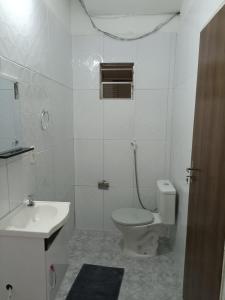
point(27, 68)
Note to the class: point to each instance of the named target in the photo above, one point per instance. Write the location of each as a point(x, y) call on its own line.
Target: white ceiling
point(132, 7)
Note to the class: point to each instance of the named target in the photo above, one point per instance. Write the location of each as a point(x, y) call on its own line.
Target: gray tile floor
point(145, 279)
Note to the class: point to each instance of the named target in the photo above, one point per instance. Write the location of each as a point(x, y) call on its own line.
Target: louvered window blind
point(116, 80)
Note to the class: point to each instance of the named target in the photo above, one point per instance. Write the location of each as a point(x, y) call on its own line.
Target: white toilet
point(141, 228)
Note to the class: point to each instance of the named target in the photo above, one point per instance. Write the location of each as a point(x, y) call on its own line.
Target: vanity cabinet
point(34, 267)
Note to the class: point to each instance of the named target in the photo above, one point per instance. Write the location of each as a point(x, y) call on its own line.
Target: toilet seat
point(133, 216)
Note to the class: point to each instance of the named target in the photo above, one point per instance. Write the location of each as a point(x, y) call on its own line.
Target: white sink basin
point(40, 220)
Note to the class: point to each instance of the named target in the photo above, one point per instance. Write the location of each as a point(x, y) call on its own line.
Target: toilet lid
point(132, 216)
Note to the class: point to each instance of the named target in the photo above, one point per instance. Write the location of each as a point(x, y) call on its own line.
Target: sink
point(40, 220)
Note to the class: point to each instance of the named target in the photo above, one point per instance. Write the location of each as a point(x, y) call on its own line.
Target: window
point(116, 80)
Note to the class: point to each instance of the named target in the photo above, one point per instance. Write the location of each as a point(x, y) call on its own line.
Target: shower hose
point(134, 145)
point(9, 288)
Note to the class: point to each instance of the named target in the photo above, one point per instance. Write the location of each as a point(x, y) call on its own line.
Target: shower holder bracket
point(103, 185)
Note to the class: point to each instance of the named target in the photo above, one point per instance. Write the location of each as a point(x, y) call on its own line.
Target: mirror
point(10, 116)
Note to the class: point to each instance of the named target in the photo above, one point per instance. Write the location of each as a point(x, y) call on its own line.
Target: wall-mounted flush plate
point(103, 185)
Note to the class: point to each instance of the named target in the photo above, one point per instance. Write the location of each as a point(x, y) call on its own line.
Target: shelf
point(15, 152)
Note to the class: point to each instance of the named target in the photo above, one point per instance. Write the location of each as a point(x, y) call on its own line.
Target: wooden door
point(206, 217)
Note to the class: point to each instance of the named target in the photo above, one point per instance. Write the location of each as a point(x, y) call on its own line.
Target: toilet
point(141, 228)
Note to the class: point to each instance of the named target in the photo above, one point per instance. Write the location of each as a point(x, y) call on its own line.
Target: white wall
point(195, 15)
point(61, 10)
point(36, 49)
point(104, 129)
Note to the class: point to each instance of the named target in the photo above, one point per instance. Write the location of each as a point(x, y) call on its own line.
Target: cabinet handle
point(54, 277)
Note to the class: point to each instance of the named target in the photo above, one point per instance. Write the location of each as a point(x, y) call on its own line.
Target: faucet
point(30, 201)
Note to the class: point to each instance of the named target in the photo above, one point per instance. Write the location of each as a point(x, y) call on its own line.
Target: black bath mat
point(96, 283)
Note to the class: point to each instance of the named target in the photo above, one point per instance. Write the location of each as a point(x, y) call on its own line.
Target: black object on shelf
point(15, 152)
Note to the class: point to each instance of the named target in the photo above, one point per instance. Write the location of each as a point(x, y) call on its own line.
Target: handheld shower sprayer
point(134, 144)
point(135, 147)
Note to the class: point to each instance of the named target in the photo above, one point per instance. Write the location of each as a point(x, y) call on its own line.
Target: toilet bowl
point(141, 228)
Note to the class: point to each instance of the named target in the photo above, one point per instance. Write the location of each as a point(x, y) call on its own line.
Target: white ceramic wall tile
point(151, 114)
point(89, 208)
point(24, 32)
point(16, 178)
point(60, 54)
point(88, 110)
point(115, 198)
point(153, 61)
point(63, 169)
point(71, 221)
point(117, 51)
point(182, 131)
point(118, 119)
point(60, 111)
point(29, 174)
point(89, 162)
point(36, 44)
point(151, 162)
point(44, 175)
point(188, 47)
point(118, 163)
point(87, 54)
point(4, 197)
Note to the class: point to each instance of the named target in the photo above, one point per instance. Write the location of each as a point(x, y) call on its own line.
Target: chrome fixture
point(103, 185)
point(191, 177)
point(30, 201)
point(45, 118)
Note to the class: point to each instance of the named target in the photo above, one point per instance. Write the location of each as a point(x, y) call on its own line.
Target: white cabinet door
point(56, 263)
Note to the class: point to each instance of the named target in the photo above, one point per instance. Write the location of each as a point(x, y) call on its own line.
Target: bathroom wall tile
point(24, 32)
point(11, 29)
point(87, 54)
point(88, 110)
point(29, 174)
point(44, 175)
point(150, 114)
point(115, 51)
point(15, 181)
point(153, 53)
point(60, 111)
point(118, 119)
point(115, 198)
point(36, 44)
point(151, 162)
point(182, 130)
point(4, 197)
point(63, 168)
point(118, 163)
point(89, 162)
point(69, 226)
point(60, 54)
point(89, 208)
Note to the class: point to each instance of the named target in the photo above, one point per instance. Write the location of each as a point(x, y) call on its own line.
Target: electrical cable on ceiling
point(113, 36)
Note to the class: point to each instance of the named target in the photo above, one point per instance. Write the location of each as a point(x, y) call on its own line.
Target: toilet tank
point(166, 201)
